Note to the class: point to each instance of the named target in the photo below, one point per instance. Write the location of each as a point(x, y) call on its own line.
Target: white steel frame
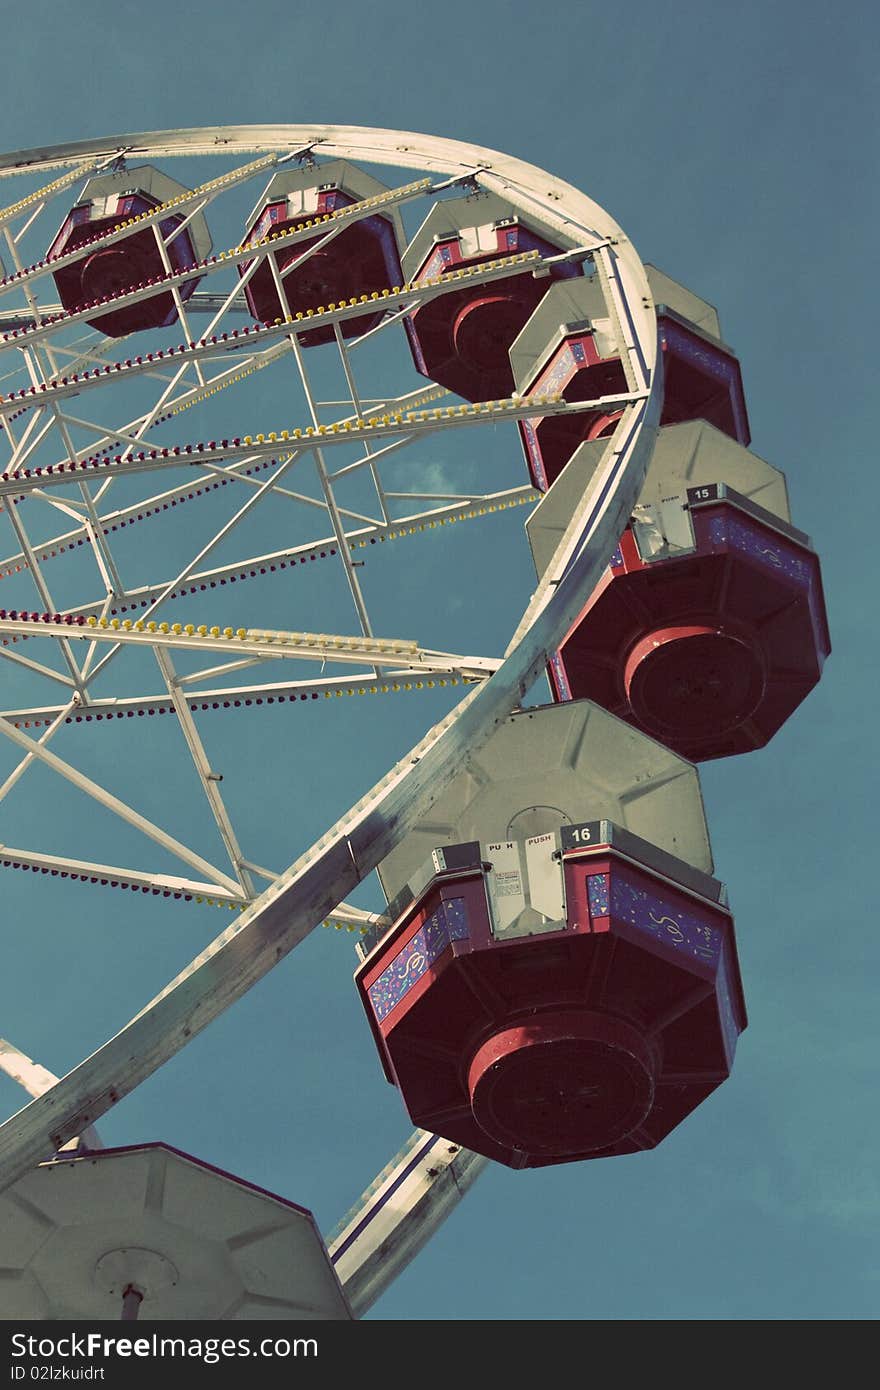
point(429, 1176)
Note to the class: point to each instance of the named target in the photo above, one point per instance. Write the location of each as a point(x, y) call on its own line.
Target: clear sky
point(735, 146)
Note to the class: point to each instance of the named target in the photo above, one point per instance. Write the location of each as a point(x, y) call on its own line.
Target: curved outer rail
point(398, 1213)
point(374, 1250)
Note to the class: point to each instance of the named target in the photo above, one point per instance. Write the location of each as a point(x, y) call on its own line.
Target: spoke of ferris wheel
point(41, 195)
point(89, 348)
point(261, 642)
point(344, 916)
point(113, 803)
point(392, 318)
point(394, 680)
point(303, 498)
point(35, 432)
point(200, 302)
point(238, 289)
point(100, 547)
point(468, 506)
point(395, 303)
point(143, 423)
point(113, 876)
point(251, 341)
point(25, 226)
point(86, 350)
point(36, 667)
point(414, 424)
point(410, 399)
point(234, 475)
point(458, 508)
point(268, 875)
point(206, 774)
point(155, 503)
point(196, 201)
point(398, 1213)
point(184, 222)
point(132, 433)
point(70, 507)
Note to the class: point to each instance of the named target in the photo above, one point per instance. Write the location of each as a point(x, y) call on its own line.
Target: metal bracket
point(467, 181)
point(303, 156)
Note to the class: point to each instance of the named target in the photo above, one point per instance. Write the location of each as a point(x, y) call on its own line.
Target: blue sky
point(734, 145)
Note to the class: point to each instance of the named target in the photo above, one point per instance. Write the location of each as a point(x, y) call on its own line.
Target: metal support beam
point(113, 803)
point(398, 1214)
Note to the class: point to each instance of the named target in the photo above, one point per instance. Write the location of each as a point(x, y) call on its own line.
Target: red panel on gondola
point(587, 1042)
point(702, 381)
point(570, 347)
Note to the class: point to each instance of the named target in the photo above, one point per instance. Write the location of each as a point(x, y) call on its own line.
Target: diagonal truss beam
point(36, 1080)
point(49, 190)
point(115, 804)
point(208, 778)
point(393, 680)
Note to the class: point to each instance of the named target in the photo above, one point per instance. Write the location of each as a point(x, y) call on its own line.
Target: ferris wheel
point(379, 336)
